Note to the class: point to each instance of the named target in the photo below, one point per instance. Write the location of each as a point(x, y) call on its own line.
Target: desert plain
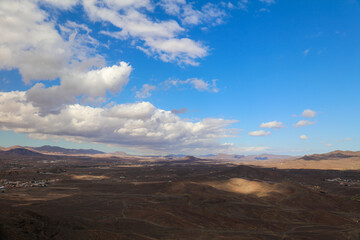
point(102, 196)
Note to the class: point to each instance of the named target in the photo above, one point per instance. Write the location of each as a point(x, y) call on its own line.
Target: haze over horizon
point(181, 77)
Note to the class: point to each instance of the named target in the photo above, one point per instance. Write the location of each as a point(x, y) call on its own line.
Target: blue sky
point(177, 76)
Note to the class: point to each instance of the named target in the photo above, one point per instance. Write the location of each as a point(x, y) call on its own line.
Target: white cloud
point(64, 4)
point(183, 50)
point(91, 85)
point(273, 124)
point(303, 137)
point(308, 113)
point(142, 110)
point(197, 83)
point(303, 123)
point(157, 38)
point(123, 4)
point(328, 145)
point(172, 7)
point(348, 139)
point(36, 48)
point(145, 91)
point(138, 125)
point(31, 43)
point(209, 13)
point(259, 133)
point(201, 85)
point(32, 39)
point(43, 49)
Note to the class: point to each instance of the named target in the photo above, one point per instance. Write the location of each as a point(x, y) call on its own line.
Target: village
point(344, 182)
point(6, 185)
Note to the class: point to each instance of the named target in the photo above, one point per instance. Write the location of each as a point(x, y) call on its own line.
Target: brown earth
point(120, 198)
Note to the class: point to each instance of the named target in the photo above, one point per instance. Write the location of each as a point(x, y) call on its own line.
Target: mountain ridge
point(338, 154)
point(56, 149)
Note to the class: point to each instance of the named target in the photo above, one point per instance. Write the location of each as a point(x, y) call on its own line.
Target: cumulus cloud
point(32, 34)
point(308, 113)
point(158, 38)
point(273, 124)
point(141, 110)
point(145, 91)
point(138, 125)
point(303, 123)
point(91, 85)
point(259, 133)
point(43, 48)
point(303, 137)
point(31, 43)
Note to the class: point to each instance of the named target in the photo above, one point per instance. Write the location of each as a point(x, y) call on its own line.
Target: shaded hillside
point(20, 152)
point(186, 159)
point(252, 172)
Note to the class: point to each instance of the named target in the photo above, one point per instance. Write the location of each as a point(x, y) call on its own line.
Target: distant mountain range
point(260, 157)
point(60, 150)
point(37, 151)
point(171, 156)
point(331, 155)
point(19, 151)
point(234, 157)
point(53, 150)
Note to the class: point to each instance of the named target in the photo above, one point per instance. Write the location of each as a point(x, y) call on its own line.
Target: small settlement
point(5, 184)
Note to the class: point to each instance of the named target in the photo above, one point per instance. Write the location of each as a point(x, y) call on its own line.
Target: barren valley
point(126, 197)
